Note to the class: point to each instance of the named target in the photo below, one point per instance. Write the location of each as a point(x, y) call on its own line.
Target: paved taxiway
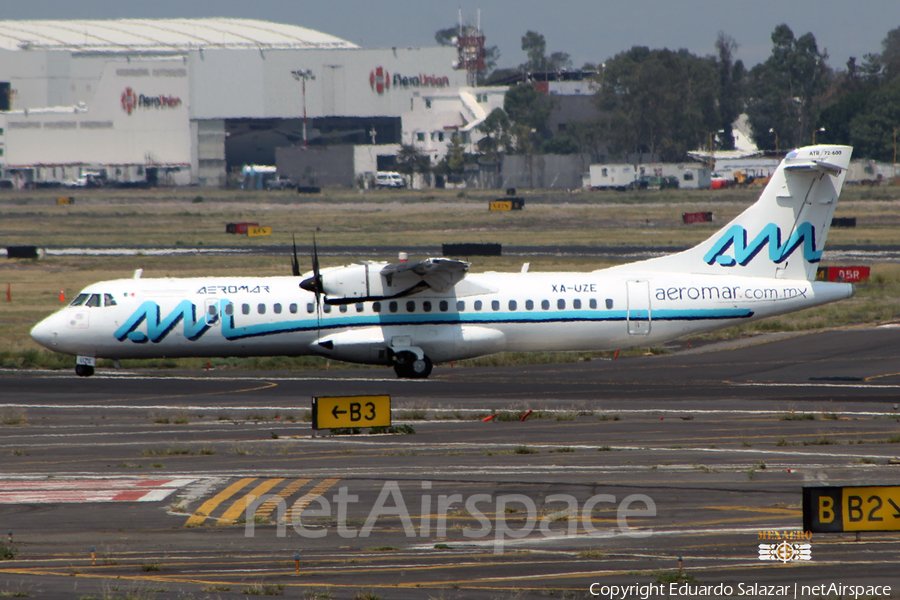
point(155, 471)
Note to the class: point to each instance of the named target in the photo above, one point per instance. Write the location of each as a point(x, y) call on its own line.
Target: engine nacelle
point(355, 282)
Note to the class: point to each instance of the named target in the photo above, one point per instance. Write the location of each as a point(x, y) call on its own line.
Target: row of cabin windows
point(426, 306)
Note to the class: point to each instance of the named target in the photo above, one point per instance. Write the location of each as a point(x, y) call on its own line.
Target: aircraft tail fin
point(783, 233)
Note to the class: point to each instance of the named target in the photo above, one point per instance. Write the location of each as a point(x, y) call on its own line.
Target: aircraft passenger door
point(638, 313)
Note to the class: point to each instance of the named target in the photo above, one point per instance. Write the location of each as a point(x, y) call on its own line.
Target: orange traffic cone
point(62, 296)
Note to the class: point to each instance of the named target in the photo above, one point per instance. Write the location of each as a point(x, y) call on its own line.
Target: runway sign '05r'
point(851, 508)
point(330, 412)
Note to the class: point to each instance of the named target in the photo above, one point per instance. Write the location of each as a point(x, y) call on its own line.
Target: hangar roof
point(160, 35)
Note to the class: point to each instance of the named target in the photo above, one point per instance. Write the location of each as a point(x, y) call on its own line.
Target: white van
point(390, 179)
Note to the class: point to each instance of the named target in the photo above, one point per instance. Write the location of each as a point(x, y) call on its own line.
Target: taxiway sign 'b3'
point(410, 315)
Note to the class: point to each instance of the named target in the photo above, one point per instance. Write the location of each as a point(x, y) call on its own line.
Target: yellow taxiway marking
point(265, 386)
point(787, 512)
point(269, 505)
point(234, 511)
point(314, 493)
point(210, 505)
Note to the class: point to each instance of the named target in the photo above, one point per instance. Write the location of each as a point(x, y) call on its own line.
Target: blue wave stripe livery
point(158, 329)
point(736, 236)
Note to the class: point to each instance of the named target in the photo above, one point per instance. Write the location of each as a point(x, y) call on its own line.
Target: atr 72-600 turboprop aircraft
point(413, 314)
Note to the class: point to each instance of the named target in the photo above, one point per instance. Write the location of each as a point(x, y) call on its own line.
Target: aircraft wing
point(369, 281)
point(440, 274)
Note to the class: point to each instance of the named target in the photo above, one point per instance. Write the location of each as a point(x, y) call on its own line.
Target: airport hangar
point(185, 101)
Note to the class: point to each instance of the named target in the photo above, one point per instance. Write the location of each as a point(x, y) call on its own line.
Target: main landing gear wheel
point(422, 368)
point(408, 366)
point(84, 370)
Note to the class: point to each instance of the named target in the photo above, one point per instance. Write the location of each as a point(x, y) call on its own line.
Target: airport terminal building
point(188, 101)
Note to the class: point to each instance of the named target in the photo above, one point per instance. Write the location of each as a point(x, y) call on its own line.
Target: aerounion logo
point(379, 79)
point(129, 100)
point(742, 252)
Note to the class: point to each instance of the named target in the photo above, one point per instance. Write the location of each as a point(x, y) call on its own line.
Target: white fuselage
point(488, 313)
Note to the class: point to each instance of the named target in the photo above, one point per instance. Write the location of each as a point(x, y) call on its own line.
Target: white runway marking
point(81, 490)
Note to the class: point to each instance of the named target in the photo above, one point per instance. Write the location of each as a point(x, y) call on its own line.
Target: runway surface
point(208, 484)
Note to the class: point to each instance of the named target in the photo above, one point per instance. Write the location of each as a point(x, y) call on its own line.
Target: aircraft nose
point(45, 333)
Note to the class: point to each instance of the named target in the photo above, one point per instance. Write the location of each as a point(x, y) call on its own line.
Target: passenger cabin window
point(529, 305)
point(376, 307)
point(293, 308)
point(229, 309)
point(343, 308)
point(426, 305)
point(443, 306)
point(512, 305)
point(261, 308)
point(326, 308)
point(212, 311)
point(410, 306)
point(593, 303)
point(245, 309)
point(545, 304)
point(310, 307)
point(495, 305)
point(392, 306)
point(108, 300)
point(576, 304)
point(359, 307)
point(461, 305)
point(609, 303)
point(93, 301)
point(561, 304)
point(478, 305)
point(276, 308)
point(80, 299)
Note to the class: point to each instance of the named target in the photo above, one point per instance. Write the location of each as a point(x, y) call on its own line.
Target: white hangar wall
point(139, 115)
point(228, 83)
point(67, 108)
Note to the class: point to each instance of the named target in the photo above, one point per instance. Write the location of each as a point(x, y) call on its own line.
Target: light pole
point(814, 134)
point(711, 133)
point(895, 151)
point(303, 75)
point(776, 139)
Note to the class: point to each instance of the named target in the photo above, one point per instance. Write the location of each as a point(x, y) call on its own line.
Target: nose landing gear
point(84, 370)
point(84, 366)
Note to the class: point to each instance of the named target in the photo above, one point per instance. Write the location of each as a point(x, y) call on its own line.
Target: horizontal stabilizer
point(816, 165)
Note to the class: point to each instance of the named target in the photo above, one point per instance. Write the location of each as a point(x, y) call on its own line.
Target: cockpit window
point(93, 301)
point(108, 300)
point(79, 300)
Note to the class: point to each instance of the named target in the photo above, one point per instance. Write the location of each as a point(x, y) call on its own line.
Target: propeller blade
point(295, 264)
point(315, 264)
point(317, 283)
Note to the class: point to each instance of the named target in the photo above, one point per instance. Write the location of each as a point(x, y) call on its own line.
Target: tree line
point(668, 102)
